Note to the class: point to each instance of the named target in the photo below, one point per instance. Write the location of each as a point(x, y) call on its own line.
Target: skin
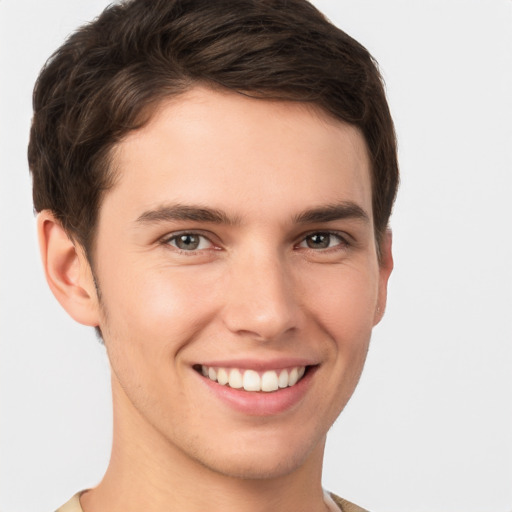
point(267, 283)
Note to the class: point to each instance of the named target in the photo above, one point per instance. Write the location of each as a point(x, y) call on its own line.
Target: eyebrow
point(180, 212)
point(331, 212)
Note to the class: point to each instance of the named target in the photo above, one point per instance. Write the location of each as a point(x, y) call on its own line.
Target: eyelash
point(342, 240)
point(167, 240)
point(342, 244)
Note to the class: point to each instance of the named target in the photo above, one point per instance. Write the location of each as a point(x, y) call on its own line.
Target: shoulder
point(346, 506)
point(73, 505)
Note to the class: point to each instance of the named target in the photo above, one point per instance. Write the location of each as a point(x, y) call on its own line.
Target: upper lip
point(259, 364)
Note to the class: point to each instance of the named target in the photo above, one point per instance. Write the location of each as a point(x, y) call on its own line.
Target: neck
point(147, 472)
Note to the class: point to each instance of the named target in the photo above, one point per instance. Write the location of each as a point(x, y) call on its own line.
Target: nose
point(261, 301)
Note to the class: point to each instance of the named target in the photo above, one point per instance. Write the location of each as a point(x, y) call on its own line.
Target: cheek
point(346, 302)
point(157, 307)
point(344, 311)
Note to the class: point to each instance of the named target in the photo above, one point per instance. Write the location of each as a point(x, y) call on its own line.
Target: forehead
point(224, 149)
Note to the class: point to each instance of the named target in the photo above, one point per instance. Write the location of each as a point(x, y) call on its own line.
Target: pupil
point(319, 241)
point(189, 242)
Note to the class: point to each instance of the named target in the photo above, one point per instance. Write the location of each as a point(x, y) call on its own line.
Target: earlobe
point(67, 271)
point(385, 269)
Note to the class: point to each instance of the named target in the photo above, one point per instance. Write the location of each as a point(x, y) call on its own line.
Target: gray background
point(430, 426)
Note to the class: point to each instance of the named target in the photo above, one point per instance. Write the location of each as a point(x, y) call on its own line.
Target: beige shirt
point(335, 504)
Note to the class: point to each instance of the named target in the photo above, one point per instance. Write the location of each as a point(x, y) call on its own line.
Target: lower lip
point(261, 403)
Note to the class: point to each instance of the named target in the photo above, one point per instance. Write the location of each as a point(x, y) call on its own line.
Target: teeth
point(269, 381)
point(292, 378)
point(222, 376)
point(251, 380)
point(235, 379)
point(283, 379)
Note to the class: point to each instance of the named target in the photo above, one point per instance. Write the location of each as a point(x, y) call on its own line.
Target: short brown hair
point(106, 78)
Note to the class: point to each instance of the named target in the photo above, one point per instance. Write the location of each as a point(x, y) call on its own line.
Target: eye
point(189, 242)
point(322, 240)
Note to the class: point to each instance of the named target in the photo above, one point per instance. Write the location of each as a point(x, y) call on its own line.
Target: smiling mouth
point(252, 380)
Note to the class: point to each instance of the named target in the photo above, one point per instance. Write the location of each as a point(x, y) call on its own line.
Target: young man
point(214, 181)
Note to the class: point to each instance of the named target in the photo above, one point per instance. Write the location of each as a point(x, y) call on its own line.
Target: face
point(239, 280)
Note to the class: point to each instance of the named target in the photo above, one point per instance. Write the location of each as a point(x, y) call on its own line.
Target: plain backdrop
point(430, 426)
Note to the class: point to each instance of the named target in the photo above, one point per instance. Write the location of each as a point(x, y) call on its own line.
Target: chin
point(262, 459)
point(255, 468)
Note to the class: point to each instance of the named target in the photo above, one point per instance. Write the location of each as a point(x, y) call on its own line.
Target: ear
point(67, 271)
point(385, 268)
